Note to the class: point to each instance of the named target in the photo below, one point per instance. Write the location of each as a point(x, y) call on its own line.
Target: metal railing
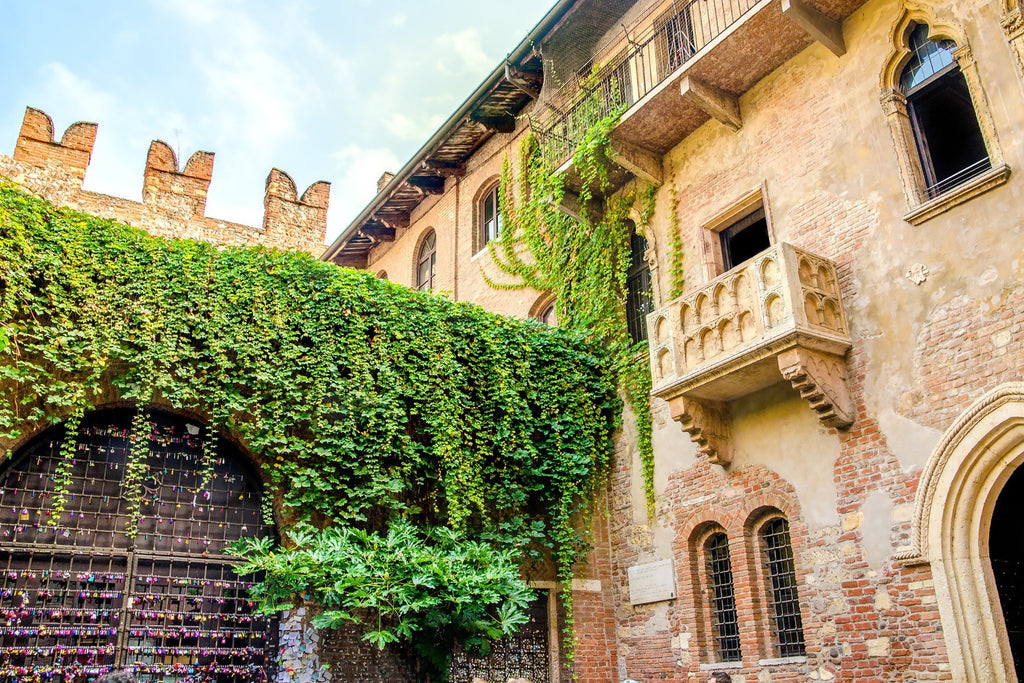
point(654, 52)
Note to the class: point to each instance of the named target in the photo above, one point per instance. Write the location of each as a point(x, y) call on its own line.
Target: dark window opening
point(491, 216)
point(744, 239)
point(426, 263)
point(787, 624)
point(1007, 556)
point(673, 41)
point(725, 620)
point(945, 125)
point(638, 289)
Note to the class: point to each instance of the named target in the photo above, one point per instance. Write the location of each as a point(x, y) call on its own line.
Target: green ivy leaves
point(367, 406)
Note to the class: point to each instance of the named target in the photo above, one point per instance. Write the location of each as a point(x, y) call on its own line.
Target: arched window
point(942, 130)
point(490, 215)
point(722, 594)
point(426, 262)
point(548, 315)
point(942, 116)
point(787, 631)
point(81, 595)
point(638, 288)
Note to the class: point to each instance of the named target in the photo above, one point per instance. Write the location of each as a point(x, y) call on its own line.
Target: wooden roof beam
point(444, 168)
point(427, 184)
point(505, 123)
point(397, 219)
point(379, 232)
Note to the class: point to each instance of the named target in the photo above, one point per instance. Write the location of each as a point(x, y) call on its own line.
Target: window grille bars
point(787, 624)
point(725, 621)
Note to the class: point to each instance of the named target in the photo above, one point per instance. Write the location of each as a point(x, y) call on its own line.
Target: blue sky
point(338, 91)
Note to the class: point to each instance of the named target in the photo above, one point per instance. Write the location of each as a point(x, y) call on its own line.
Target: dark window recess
point(638, 289)
point(491, 218)
point(723, 599)
point(1007, 556)
point(946, 129)
point(744, 239)
point(673, 41)
point(787, 625)
point(426, 263)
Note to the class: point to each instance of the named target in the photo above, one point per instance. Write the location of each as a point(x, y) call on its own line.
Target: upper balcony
point(679, 65)
point(778, 316)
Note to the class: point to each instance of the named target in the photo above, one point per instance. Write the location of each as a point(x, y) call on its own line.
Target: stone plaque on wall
point(652, 582)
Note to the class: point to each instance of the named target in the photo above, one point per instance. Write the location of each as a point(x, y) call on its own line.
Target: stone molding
point(952, 509)
point(822, 381)
point(707, 424)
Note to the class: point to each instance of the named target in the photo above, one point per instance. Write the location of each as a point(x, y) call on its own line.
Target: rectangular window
point(638, 289)
point(737, 234)
point(723, 599)
point(787, 624)
point(744, 239)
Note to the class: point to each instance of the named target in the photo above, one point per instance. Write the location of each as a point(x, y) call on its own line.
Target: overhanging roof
point(490, 108)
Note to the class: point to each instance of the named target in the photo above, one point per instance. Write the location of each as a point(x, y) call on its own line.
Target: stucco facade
point(929, 288)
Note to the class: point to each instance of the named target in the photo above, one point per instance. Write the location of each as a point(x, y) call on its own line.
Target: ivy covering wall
point(439, 444)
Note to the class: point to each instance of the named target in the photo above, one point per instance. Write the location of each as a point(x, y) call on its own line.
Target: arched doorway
point(1006, 552)
point(78, 596)
point(963, 528)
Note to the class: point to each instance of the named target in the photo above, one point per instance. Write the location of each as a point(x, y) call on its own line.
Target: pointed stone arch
point(952, 516)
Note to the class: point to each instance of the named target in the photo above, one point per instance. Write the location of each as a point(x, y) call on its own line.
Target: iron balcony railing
point(655, 50)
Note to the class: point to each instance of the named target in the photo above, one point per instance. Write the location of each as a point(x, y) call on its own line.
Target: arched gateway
point(79, 596)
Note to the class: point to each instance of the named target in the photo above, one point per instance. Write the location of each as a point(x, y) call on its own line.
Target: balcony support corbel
point(642, 163)
point(707, 423)
point(715, 102)
point(822, 381)
point(823, 29)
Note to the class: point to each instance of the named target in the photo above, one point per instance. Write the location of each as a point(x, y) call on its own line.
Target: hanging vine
point(136, 469)
point(676, 272)
point(583, 260)
point(369, 408)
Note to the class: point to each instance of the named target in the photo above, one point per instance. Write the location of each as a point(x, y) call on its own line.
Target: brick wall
point(173, 202)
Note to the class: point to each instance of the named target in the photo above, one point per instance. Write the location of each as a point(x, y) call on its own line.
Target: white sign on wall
point(652, 582)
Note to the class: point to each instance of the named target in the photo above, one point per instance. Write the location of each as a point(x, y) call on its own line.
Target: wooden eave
point(492, 113)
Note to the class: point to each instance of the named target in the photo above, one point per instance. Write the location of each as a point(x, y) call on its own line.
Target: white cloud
point(61, 86)
point(462, 52)
point(356, 182)
point(398, 18)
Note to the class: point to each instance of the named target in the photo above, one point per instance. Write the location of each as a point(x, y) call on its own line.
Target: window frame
point(922, 207)
point(638, 303)
point(483, 236)
point(715, 637)
point(738, 211)
point(772, 611)
point(428, 241)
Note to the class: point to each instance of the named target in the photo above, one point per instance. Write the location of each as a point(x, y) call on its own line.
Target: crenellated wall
point(173, 201)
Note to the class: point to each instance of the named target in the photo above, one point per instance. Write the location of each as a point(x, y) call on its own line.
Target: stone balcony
point(778, 316)
point(687, 62)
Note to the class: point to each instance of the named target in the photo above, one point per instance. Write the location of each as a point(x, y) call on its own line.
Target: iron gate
point(78, 596)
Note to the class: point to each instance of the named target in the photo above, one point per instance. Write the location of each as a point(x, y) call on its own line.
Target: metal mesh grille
point(723, 599)
point(523, 655)
point(80, 597)
point(787, 626)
